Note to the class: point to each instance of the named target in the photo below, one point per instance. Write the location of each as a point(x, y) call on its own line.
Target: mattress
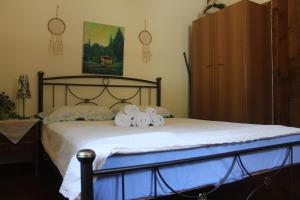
point(62, 141)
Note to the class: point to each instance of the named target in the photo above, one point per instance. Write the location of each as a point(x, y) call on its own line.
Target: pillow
point(159, 110)
point(44, 114)
point(72, 113)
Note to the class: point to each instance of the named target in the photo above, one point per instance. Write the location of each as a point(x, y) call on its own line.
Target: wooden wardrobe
point(231, 65)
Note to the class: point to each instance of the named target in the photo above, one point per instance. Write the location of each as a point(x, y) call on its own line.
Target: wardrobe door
point(230, 96)
point(259, 67)
point(202, 68)
point(294, 62)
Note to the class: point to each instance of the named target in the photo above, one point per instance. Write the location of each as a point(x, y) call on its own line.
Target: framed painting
point(103, 49)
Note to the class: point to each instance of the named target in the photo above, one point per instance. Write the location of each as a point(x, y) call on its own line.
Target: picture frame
point(103, 49)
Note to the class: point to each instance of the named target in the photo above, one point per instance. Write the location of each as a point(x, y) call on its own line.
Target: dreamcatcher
point(56, 27)
point(145, 39)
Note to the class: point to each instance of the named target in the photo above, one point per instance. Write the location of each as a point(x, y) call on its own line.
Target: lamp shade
point(23, 91)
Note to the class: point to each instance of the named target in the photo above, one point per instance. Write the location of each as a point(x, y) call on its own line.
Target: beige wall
point(24, 41)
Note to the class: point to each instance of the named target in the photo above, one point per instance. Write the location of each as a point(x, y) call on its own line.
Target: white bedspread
point(62, 140)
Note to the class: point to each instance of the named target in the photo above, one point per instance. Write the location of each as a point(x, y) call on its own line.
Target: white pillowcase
point(72, 113)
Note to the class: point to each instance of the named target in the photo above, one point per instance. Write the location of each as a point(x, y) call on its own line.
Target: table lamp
point(23, 91)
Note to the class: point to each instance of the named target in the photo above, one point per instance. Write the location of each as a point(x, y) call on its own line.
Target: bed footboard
point(87, 156)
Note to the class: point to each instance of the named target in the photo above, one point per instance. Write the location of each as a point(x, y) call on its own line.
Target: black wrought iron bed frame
point(87, 156)
point(104, 84)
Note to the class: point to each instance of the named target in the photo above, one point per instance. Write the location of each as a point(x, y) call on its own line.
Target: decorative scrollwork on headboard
point(105, 87)
point(83, 100)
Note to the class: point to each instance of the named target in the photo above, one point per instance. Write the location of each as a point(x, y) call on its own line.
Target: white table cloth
point(15, 129)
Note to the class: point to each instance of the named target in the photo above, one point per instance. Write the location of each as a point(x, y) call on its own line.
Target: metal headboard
point(105, 84)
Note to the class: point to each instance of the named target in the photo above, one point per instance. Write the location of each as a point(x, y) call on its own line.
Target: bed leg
point(86, 158)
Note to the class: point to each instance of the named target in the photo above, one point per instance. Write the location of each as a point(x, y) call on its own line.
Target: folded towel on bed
point(141, 119)
point(122, 119)
point(157, 120)
point(130, 110)
point(130, 115)
point(151, 111)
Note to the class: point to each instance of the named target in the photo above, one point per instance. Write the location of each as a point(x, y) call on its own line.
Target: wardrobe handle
point(209, 65)
point(221, 64)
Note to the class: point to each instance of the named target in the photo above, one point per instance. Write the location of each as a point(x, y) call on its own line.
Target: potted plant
point(7, 107)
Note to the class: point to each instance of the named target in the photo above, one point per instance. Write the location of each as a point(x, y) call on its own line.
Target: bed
point(101, 161)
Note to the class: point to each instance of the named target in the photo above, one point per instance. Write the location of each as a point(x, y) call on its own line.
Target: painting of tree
point(103, 49)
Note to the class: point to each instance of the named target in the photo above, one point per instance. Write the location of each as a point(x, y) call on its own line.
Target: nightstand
point(20, 142)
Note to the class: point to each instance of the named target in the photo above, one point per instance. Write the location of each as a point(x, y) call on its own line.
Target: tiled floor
point(17, 182)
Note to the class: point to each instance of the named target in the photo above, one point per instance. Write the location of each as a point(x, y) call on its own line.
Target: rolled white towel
point(150, 111)
point(141, 119)
point(122, 119)
point(157, 120)
point(131, 110)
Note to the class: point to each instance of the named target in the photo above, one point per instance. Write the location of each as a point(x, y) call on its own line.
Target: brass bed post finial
point(86, 158)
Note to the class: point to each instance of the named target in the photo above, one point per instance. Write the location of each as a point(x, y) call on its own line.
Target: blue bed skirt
point(140, 184)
